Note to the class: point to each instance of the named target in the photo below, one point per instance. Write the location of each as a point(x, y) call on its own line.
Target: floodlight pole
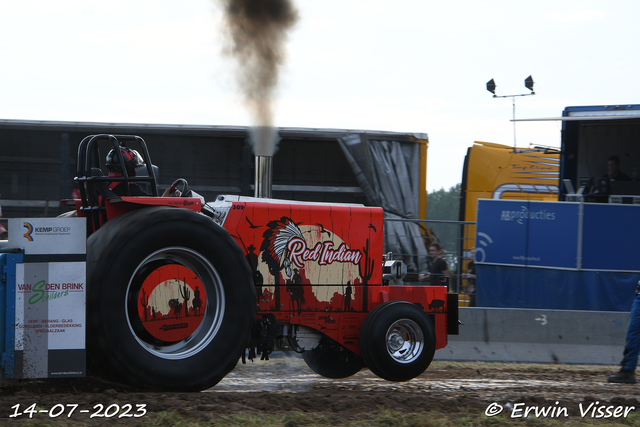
point(528, 83)
point(513, 99)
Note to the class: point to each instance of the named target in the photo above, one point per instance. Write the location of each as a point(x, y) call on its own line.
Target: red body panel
point(118, 206)
point(321, 266)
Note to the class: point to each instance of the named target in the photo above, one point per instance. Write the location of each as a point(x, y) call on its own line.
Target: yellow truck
point(496, 171)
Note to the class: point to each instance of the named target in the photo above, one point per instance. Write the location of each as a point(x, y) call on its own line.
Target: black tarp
point(388, 173)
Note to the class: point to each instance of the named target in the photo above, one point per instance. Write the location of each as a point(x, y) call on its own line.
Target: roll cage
point(91, 179)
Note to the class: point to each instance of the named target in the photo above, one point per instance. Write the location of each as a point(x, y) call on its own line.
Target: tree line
point(445, 205)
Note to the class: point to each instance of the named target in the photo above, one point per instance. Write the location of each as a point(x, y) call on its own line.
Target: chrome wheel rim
point(405, 341)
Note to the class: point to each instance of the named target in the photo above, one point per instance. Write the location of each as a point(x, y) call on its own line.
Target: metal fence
point(458, 241)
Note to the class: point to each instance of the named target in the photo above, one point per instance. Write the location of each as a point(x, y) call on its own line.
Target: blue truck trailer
point(583, 251)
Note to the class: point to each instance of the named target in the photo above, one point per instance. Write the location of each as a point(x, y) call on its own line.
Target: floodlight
point(491, 87)
point(528, 83)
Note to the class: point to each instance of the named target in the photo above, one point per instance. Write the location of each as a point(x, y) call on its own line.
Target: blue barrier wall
point(521, 287)
point(557, 255)
point(611, 237)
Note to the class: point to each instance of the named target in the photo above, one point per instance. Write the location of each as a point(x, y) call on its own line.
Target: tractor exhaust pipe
point(263, 177)
point(264, 140)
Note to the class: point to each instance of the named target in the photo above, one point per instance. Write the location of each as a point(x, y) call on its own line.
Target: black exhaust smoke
point(258, 30)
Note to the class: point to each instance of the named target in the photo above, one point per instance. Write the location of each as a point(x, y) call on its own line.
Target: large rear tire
point(397, 341)
point(170, 300)
point(331, 360)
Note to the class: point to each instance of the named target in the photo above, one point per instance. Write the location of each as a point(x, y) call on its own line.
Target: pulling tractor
point(179, 290)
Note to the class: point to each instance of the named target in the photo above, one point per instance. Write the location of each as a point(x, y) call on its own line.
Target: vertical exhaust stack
point(264, 140)
point(263, 177)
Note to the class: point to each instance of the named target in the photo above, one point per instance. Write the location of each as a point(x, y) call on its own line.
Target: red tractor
point(180, 290)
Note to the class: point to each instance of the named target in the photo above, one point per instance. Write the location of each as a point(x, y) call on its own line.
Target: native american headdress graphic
point(274, 246)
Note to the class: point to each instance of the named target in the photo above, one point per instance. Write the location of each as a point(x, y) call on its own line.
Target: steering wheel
point(185, 188)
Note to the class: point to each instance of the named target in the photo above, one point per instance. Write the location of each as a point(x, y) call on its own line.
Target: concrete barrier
point(539, 336)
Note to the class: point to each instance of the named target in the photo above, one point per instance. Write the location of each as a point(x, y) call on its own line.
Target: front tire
point(397, 341)
point(169, 300)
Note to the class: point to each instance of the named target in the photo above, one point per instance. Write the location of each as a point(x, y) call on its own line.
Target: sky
point(418, 66)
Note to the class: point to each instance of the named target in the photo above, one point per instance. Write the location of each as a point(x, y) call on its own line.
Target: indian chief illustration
point(275, 252)
point(274, 249)
point(293, 254)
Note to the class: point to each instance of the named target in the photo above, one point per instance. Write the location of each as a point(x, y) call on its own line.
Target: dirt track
point(286, 384)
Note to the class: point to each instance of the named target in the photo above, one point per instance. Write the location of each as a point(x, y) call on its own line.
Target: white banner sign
point(50, 287)
point(48, 235)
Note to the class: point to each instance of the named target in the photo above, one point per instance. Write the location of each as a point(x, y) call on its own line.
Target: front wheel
point(397, 341)
point(169, 300)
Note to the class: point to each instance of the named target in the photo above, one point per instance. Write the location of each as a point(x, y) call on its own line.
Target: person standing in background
point(632, 346)
point(437, 268)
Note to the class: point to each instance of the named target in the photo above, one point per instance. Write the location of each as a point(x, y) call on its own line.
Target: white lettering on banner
point(526, 258)
point(524, 213)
